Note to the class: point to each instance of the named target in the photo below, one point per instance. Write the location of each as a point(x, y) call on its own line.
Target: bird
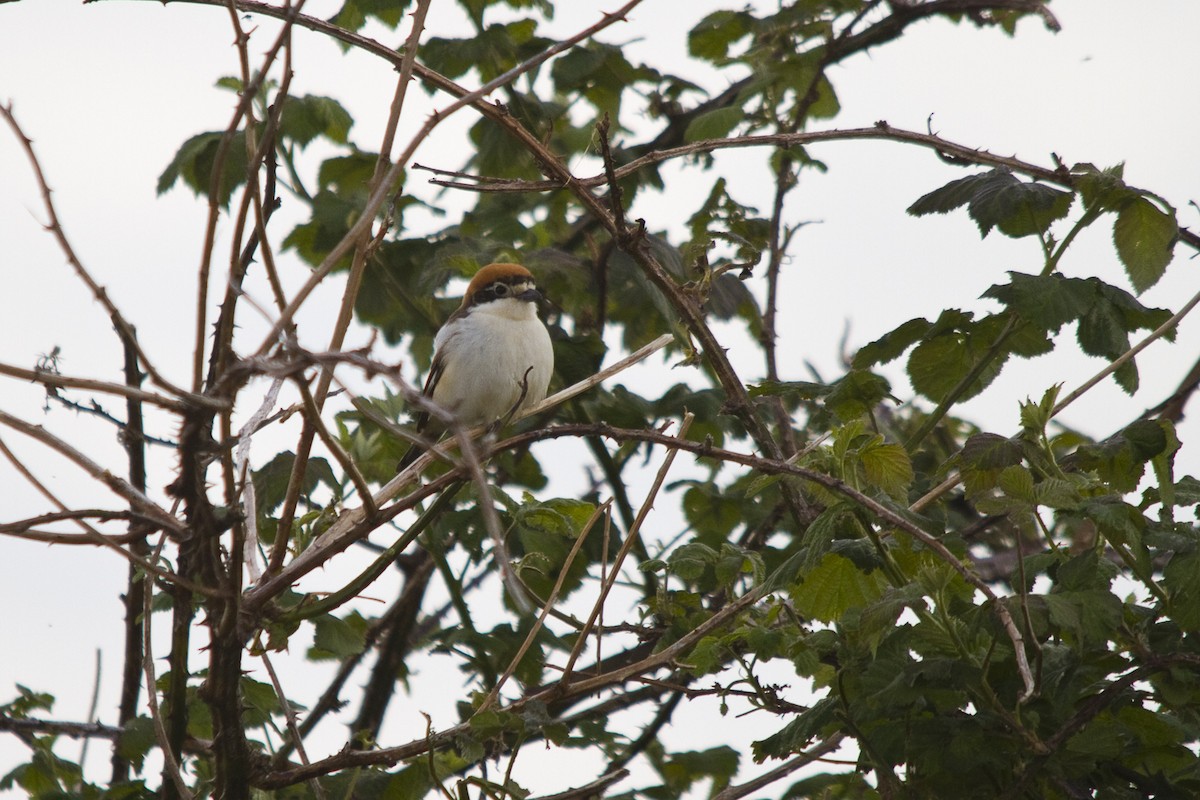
point(493, 356)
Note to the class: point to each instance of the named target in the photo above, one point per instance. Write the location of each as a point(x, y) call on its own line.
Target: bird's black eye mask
point(520, 289)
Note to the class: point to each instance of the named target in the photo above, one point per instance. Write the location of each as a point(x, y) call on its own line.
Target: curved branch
point(53, 380)
point(119, 486)
point(98, 291)
point(880, 131)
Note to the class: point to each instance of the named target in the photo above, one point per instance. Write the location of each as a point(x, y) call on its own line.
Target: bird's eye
point(501, 289)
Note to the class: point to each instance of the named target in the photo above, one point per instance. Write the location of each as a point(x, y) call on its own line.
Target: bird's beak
point(531, 294)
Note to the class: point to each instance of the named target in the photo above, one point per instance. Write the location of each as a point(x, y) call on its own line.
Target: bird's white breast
point(486, 354)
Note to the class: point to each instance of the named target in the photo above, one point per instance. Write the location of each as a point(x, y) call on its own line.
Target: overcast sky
point(109, 90)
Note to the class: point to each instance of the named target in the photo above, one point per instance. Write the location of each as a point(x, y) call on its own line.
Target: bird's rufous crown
point(510, 273)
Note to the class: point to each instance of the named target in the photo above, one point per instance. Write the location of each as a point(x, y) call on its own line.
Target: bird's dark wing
point(422, 418)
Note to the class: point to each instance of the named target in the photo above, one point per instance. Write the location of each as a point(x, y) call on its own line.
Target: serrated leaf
point(1117, 520)
point(1058, 494)
point(1017, 483)
point(1048, 301)
point(194, 162)
point(1181, 578)
point(834, 586)
point(692, 560)
point(1092, 616)
point(955, 194)
point(856, 393)
point(989, 451)
point(999, 199)
point(1101, 332)
point(1103, 190)
point(1145, 238)
point(888, 467)
point(1035, 207)
point(892, 345)
point(711, 513)
point(796, 735)
point(714, 124)
point(937, 365)
point(338, 638)
point(712, 37)
point(1146, 437)
point(305, 118)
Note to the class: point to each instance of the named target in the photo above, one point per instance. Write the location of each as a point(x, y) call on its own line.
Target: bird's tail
point(414, 452)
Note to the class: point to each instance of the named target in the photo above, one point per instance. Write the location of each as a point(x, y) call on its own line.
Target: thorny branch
point(630, 238)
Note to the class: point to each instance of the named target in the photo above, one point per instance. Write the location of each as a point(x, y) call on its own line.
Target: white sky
point(109, 90)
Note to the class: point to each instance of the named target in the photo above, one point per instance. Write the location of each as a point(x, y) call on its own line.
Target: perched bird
point(493, 352)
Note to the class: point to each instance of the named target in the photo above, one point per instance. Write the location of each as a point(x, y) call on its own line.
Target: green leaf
point(1092, 616)
point(715, 34)
point(955, 194)
point(1102, 190)
point(1017, 482)
point(1117, 520)
point(796, 735)
point(305, 118)
point(834, 586)
point(711, 513)
point(338, 638)
point(1036, 416)
point(195, 160)
point(999, 199)
point(1120, 459)
point(1181, 578)
point(888, 467)
point(988, 451)
point(136, 740)
point(1145, 238)
point(892, 345)
point(693, 562)
point(714, 124)
point(1147, 439)
point(937, 365)
point(354, 13)
point(857, 392)
point(681, 770)
point(271, 481)
point(1048, 301)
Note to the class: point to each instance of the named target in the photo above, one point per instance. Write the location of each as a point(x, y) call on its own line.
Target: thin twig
point(55, 227)
point(116, 484)
point(391, 755)
point(1162, 330)
point(775, 466)
point(346, 529)
point(53, 380)
point(289, 714)
point(594, 789)
point(160, 731)
point(249, 92)
point(494, 694)
point(383, 191)
point(782, 771)
point(90, 532)
point(362, 246)
point(631, 536)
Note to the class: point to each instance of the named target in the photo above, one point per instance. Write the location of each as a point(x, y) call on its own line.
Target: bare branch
point(782, 771)
point(53, 380)
point(383, 191)
point(631, 536)
point(98, 291)
point(119, 486)
point(347, 528)
point(494, 694)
